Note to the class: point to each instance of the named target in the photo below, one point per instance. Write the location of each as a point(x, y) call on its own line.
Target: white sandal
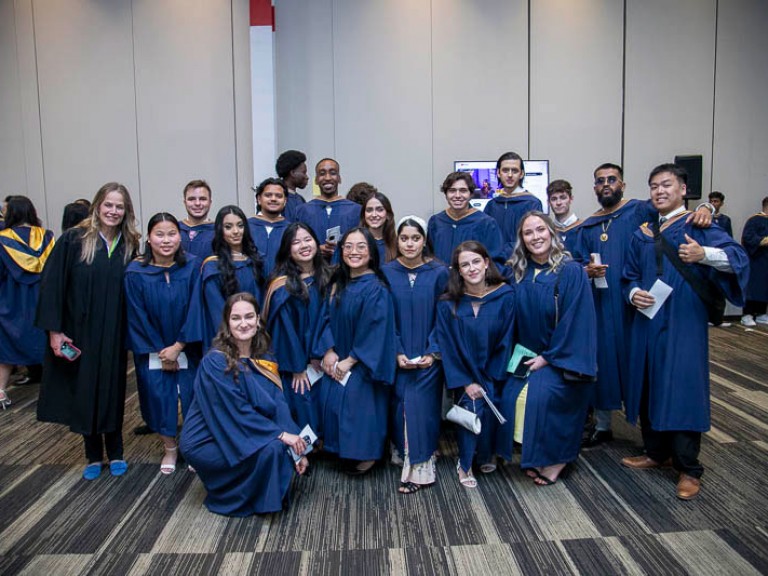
point(168, 468)
point(468, 481)
point(4, 400)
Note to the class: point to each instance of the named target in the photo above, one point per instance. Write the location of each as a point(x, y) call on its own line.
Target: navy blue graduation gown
point(292, 205)
point(614, 315)
point(230, 438)
point(197, 240)
point(755, 229)
point(565, 334)
point(87, 303)
point(724, 221)
point(293, 324)
point(417, 395)
point(267, 236)
point(477, 349)
point(360, 324)
point(569, 235)
point(157, 309)
point(343, 213)
point(445, 233)
point(508, 211)
point(670, 353)
point(23, 253)
point(207, 303)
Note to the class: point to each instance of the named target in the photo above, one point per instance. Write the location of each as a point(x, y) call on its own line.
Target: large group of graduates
point(331, 315)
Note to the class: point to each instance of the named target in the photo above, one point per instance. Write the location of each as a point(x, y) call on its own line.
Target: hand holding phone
point(56, 341)
point(70, 351)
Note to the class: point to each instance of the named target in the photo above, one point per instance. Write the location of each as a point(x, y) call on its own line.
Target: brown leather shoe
point(644, 462)
point(688, 487)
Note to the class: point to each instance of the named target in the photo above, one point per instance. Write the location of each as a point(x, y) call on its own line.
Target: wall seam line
point(39, 115)
point(234, 93)
point(714, 100)
point(623, 84)
point(136, 112)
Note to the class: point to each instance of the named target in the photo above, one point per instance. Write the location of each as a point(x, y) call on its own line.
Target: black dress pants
point(682, 446)
point(754, 307)
point(95, 444)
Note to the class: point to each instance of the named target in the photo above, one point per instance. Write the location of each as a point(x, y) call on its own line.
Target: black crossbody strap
point(704, 288)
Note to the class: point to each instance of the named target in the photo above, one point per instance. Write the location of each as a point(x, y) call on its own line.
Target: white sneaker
point(748, 320)
point(762, 319)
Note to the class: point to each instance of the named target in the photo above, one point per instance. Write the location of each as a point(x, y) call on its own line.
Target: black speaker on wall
point(692, 165)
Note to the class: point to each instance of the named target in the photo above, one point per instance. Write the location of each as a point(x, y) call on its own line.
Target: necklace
point(604, 235)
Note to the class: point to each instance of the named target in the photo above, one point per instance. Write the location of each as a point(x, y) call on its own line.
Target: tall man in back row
point(669, 361)
point(291, 166)
point(330, 215)
point(601, 245)
point(512, 202)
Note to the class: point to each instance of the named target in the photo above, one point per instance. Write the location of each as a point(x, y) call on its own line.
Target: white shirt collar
point(675, 212)
point(567, 222)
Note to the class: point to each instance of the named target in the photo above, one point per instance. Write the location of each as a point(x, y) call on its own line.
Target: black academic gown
point(85, 302)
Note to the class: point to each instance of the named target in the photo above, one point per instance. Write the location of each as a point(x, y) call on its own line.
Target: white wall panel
point(12, 174)
point(241, 66)
point(740, 168)
point(184, 100)
point(30, 111)
point(670, 51)
point(576, 90)
point(479, 84)
point(382, 98)
point(87, 105)
point(305, 78)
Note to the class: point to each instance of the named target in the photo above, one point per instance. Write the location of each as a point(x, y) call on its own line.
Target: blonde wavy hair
point(518, 262)
point(91, 226)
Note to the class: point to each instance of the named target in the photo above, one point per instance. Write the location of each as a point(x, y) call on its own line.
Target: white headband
point(416, 219)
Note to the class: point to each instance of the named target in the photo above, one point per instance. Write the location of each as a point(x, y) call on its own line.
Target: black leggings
point(94, 446)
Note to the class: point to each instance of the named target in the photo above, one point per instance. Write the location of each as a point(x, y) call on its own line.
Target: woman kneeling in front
point(239, 428)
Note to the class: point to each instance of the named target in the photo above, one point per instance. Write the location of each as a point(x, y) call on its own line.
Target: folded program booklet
point(309, 437)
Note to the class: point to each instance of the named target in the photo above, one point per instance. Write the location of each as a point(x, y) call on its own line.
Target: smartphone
point(522, 371)
point(70, 352)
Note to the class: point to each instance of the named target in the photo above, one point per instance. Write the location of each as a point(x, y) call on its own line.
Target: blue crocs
point(118, 467)
point(92, 471)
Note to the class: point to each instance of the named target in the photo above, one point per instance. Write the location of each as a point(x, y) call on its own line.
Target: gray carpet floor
point(602, 519)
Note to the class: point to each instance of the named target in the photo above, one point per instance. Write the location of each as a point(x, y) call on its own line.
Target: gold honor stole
point(31, 256)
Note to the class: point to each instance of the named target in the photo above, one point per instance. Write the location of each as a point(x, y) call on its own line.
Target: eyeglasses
point(361, 247)
point(459, 190)
point(603, 179)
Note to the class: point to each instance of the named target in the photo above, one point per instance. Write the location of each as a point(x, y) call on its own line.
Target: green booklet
point(516, 365)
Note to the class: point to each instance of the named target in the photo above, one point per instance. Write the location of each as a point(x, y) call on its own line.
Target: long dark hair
point(74, 213)
point(20, 211)
point(179, 257)
point(285, 266)
point(455, 289)
point(426, 252)
point(342, 276)
point(225, 342)
point(388, 231)
point(221, 249)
